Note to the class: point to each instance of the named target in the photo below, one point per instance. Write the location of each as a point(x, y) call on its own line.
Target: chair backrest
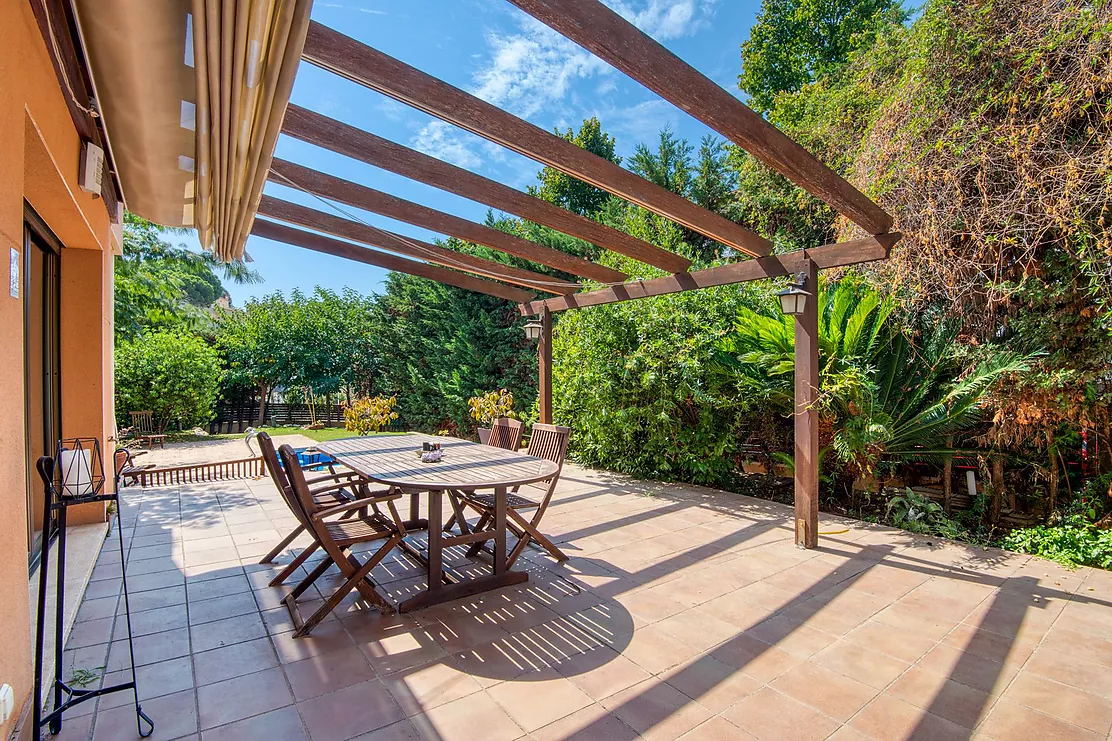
point(549, 442)
point(143, 422)
point(299, 487)
point(506, 433)
point(280, 475)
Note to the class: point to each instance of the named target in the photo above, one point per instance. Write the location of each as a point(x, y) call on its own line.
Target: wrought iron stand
point(87, 486)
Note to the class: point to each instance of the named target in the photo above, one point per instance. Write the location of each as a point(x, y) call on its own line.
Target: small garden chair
point(336, 537)
point(506, 433)
point(328, 490)
point(144, 431)
point(549, 442)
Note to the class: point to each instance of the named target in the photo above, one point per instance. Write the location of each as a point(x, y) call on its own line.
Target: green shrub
point(918, 514)
point(1073, 541)
point(176, 376)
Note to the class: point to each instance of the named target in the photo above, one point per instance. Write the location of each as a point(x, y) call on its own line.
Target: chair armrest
point(355, 504)
point(333, 477)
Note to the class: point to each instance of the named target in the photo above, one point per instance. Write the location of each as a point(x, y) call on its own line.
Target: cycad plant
point(886, 391)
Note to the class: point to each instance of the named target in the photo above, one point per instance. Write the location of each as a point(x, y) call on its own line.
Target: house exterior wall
point(39, 150)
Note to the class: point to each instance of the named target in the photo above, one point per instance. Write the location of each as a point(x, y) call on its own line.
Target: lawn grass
point(327, 433)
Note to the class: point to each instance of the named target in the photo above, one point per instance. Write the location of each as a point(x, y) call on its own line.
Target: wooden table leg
point(500, 530)
point(435, 531)
point(414, 505)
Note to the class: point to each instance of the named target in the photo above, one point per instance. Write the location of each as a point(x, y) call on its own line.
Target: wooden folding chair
point(328, 490)
point(506, 433)
point(336, 537)
point(143, 428)
point(547, 441)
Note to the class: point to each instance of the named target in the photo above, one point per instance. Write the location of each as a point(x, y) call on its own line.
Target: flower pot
point(484, 435)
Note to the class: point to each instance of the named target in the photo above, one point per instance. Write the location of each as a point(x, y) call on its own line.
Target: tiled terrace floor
point(683, 613)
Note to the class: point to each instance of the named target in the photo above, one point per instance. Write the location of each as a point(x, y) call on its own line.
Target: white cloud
point(443, 141)
point(532, 69)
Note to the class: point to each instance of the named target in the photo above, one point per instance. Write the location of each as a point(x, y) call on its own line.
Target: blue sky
point(491, 49)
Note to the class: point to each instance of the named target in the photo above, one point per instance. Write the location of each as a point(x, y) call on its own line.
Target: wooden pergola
point(613, 39)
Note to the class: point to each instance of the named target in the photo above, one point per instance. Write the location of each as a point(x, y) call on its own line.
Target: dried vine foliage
point(994, 152)
point(996, 146)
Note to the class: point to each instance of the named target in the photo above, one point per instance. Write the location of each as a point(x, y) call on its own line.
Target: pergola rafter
point(292, 213)
point(376, 201)
point(605, 33)
point(374, 150)
point(360, 63)
point(329, 246)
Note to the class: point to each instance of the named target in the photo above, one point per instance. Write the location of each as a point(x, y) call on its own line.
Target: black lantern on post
point(793, 299)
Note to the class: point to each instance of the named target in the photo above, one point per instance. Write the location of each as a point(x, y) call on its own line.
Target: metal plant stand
point(74, 476)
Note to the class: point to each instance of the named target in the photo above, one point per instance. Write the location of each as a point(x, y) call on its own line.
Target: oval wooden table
point(466, 467)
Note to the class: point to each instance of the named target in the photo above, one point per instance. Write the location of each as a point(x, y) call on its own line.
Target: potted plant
point(488, 407)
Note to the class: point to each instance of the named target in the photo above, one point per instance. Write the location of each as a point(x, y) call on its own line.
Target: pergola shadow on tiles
point(610, 37)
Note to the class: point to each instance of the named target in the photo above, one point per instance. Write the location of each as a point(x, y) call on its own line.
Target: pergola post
point(544, 376)
point(806, 416)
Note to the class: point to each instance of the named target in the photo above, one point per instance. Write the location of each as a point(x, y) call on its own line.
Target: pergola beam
point(369, 199)
point(329, 246)
point(309, 218)
point(353, 142)
point(360, 63)
point(615, 40)
point(868, 249)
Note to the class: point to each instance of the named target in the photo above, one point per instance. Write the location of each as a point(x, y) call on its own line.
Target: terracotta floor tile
point(787, 635)
point(865, 665)
point(699, 629)
point(327, 637)
point(716, 729)
point(539, 698)
point(473, 718)
point(942, 696)
point(226, 632)
point(403, 730)
point(350, 711)
point(407, 647)
point(772, 716)
point(424, 687)
point(1066, 703)
point(1072, 670)
point(174, 716)
point(283, 724)
point(152, 680)
point(327, 672)
point(149, 649)
point(1009, 721)
point(655, 651)
point(890, 719)
point(656, 710)
point(832, 693)
point(714, 685)
point(970, 669)
point(893, 641)
point(242, 697)
point(592, 723)
point(233, 661)
point(601, 672)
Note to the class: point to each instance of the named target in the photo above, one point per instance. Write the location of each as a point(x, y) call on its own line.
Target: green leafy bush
point(1073, 541)
point(918, 514)
point(176, 376)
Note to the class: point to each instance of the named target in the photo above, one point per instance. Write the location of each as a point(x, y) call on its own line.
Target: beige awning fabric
point(192, 94)
point(247, 53)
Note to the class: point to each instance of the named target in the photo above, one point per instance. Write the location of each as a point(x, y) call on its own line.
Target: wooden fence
point(244, 468)
point(235, 418)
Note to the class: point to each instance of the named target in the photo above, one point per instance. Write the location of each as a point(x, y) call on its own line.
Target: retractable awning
point(192, 94)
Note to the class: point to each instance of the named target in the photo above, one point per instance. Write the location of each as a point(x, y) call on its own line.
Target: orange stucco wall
point(39, 150)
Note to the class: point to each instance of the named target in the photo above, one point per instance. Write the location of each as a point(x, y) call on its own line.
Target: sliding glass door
point(41, 289)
